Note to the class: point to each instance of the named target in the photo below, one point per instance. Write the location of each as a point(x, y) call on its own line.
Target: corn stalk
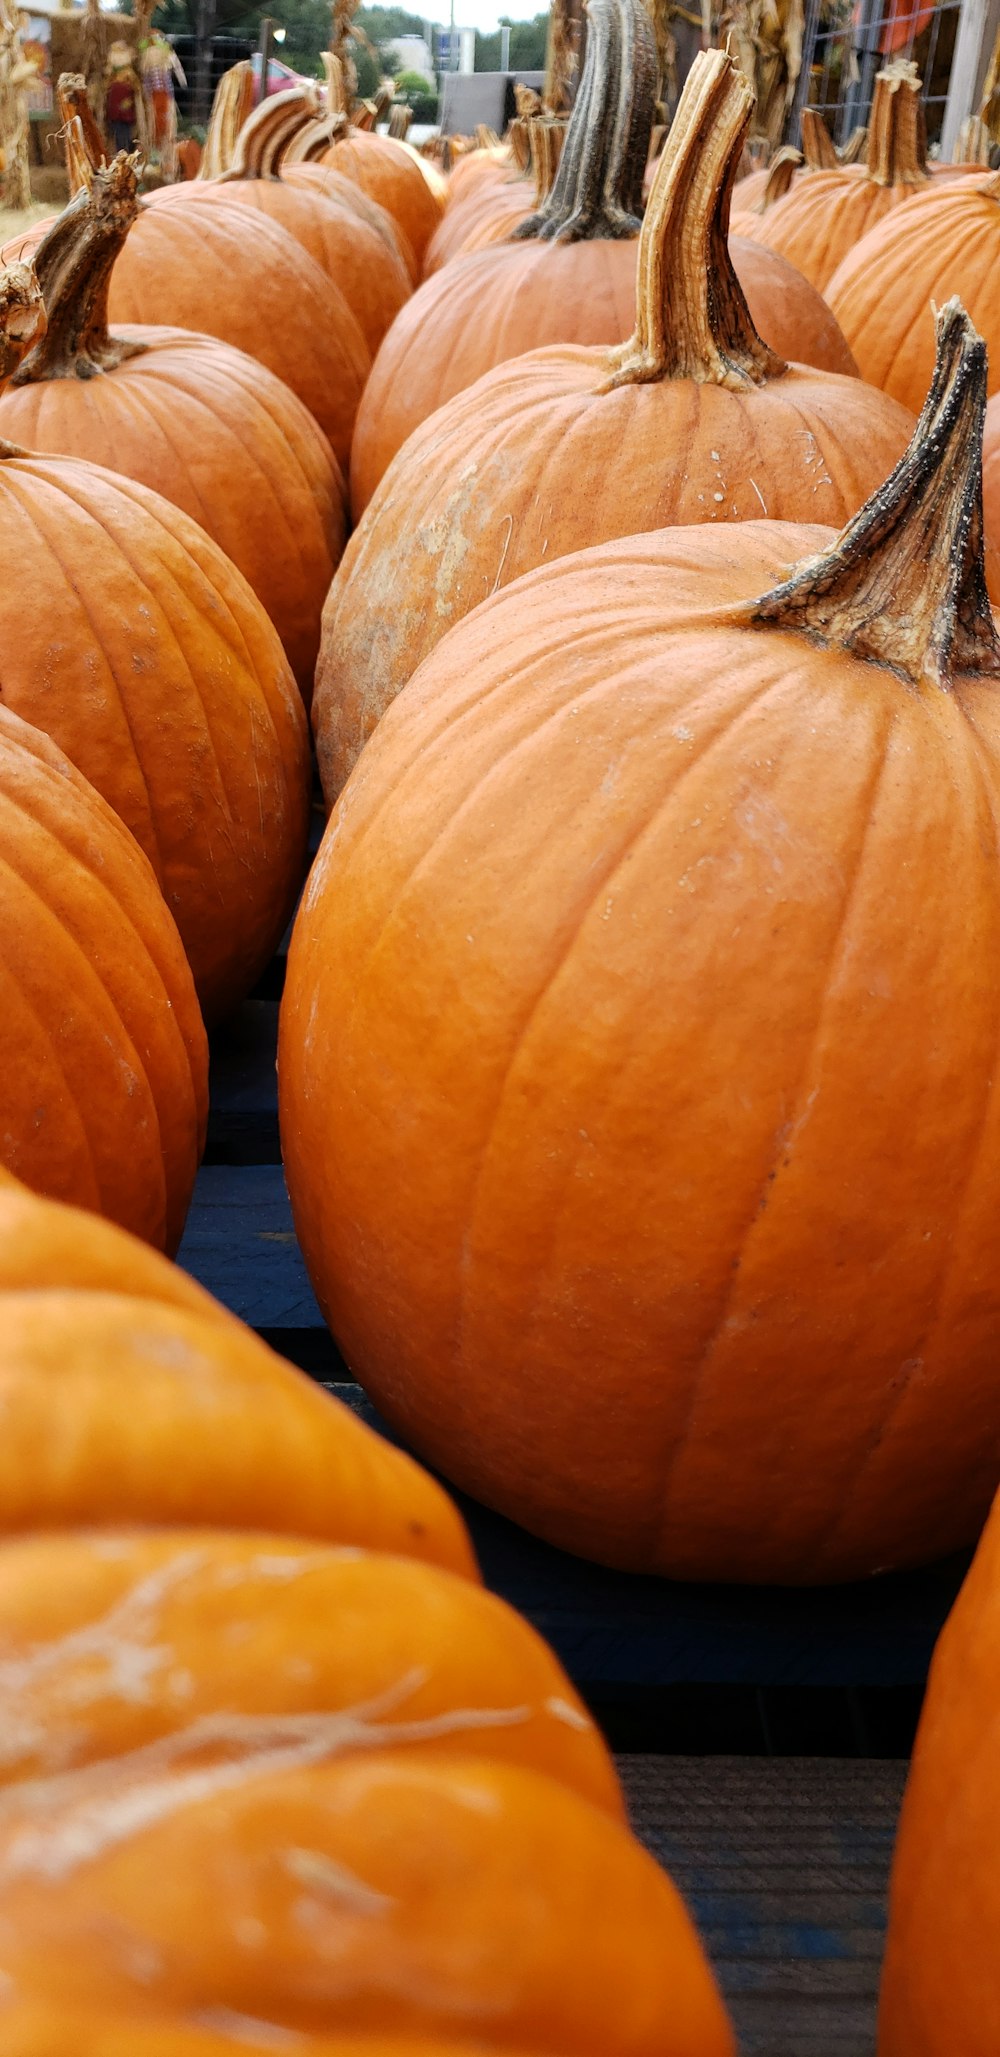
point(15, 74)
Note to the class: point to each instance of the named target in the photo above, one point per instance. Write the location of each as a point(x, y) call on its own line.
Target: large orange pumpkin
point(570, 277)
point(941, 1980)
point(103, 1061)
point(353, 253)
point(946, 240)
point(35, 2029)
point(390, 174)
point(827, 212)
point(694, 420)
point(669, 915)
point(198, 421)
point(131, 639)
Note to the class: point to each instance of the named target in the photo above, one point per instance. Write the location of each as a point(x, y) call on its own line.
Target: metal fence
point(845, 45)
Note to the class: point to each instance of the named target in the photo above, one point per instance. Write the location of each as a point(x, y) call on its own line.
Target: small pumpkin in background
point(570, 274)
point(132, 641)
point(352, 253)
point(491, 485)
point(827, 212)
point(103, 1058)
point(618, 859)
point(940, 1983)
point(392, 175)
point(883, 293)
point(197, 421)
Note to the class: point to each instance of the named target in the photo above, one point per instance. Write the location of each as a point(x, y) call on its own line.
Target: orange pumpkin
point(136, 645)
point(45, 1245)
point(694, 420)
point(509, 199)
point(828, 212)
point(232, 274)
point(103, 1060)
point(35, 2029)
point(570, 277)
point(391, 174)
point(883, 294)
point(617, 861)
point(940, 1982)
point(323, 178)
point(352, 253)
point(453, 1896)
point(201, 423)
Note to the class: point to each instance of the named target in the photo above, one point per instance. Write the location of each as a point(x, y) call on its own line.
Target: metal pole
point(204, 32)
point(857, 100)
point(505, 49)
point(264, 46)
point(793, 124)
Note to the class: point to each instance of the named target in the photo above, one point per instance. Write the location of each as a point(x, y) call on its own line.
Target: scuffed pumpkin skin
point(682, 1254)
point(940, 1982)
point(452, 1897)
point(35, 2030)
point(112, 1642)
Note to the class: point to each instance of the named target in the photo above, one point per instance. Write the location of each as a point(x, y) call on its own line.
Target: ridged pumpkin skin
point(940, 1983)
point(123, 1410)
point(103, 1060)
point(824, 216)
point(483, 309)
point(275, 1639)
point(604, 907)
point(231, 272)
point(44, 1244)
point(324, 178)
point(36, 2030)
point(390, 174)
point(502, 202)
point(452, 1897)
point(348, 250)
point(945, 241)
point(130, 638)
point(224, 440)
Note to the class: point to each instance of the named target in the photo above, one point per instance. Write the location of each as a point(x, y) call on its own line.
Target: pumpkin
point(349, 249)
point(669, 913)
point(753, 195)
point(103, 1060)
point(46, 1244)
point(570, 277)
point(946, 240)
point(203, 424)
point(828, 212)
point(391, 174)
point(37, 2030)
point(509, 200)
point(492, 213)
point(385, 1892)
point(324, 178)
point(940, 1984)
point(136, 645)
point(693, 420)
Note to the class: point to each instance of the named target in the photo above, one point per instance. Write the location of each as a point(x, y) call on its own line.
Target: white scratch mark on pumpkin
point(562, 1710)
point(509, 519)
point(322, 1874)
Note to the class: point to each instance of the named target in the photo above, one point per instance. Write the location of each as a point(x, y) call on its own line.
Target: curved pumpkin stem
point(546, 140)
point(598, 188)
point(268, 133)
point(74, 264)
point(83, 142)
point(781, 171)
point(818, 146)
point(231, 109)
point(896, 153)
point(315, 138)
point(905, 584)
point(692, 320)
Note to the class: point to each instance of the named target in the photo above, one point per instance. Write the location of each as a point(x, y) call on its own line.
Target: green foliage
point(527, 45)
point(412, 85)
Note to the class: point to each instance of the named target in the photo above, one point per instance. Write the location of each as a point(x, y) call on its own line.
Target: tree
point(527, 45)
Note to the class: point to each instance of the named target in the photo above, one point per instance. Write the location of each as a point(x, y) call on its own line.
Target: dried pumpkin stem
point(692, 320)
point(598, 187)
point(781, 171)
point(267, 135)
point(546, 137)
point(896, 153)
point(905, 584)
point(818, 147)
point(74, 264)
point(22, 324)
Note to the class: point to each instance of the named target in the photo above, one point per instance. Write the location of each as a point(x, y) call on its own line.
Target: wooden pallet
point(782, 1844)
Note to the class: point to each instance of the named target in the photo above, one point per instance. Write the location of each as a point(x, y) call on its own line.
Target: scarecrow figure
point(121, 97)
point(160, 66)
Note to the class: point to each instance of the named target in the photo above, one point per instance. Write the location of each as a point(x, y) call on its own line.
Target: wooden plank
point(784, 1864)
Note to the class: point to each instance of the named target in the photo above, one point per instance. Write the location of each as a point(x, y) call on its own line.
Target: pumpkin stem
point(896, 153)
point(692, 320)
point(598, 187)
point(818, 147)
point(74, 264)
point(905, 584)
point(546, 137)
point(781, 171)
point(231, 108)
point(269, 132)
